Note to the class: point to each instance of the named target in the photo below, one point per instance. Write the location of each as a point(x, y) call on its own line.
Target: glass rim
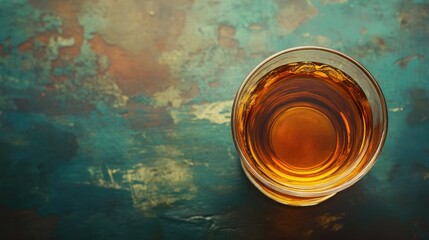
point(307, 192)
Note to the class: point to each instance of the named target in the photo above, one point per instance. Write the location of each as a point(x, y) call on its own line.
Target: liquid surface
point(303, 137)
point(305, 124)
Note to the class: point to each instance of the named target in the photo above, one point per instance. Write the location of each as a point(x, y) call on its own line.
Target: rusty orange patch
point(193, 91)
point(134, 73)
point(379, 42)
point(214, 84)
point(294, 13)
point(68, 12)
point(403, 62)
point(226, 35)
point(141, 25)
point(28, 45)
point(71, 28)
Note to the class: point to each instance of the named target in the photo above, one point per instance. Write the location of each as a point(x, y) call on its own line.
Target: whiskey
point(307, 123)
point(304, 124)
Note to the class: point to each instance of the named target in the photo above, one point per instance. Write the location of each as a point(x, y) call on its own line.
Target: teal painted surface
point(114, 118)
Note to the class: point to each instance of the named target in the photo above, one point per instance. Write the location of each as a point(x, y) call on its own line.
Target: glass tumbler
point(307, 123)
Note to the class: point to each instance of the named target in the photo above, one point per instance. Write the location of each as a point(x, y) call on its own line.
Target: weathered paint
point(114, 118)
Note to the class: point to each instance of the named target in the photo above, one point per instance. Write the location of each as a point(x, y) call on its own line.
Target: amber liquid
point(305, 124)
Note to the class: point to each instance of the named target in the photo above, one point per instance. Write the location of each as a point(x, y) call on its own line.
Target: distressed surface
point(114, 118)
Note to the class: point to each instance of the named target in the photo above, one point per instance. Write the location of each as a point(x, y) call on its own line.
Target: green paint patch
point(419, 113)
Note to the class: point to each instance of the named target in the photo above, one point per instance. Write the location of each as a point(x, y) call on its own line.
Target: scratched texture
point(114, 118)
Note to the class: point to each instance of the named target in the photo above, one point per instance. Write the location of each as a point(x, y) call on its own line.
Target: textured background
point(114, 118)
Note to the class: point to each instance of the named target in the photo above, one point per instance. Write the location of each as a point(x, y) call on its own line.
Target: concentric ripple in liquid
point(305, 124)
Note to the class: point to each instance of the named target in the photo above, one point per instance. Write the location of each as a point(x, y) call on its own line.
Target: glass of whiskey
point(307, 123)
